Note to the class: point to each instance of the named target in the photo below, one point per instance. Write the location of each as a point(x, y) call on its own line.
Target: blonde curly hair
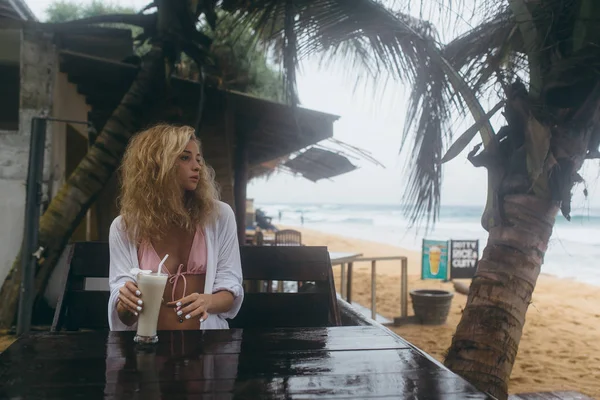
point(151, 200)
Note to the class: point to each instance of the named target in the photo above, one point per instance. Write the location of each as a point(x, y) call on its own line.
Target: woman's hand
point(129, 298)
point(193, 306)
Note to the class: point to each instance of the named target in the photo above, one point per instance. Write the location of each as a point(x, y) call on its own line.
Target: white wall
point(12, 200)
point(37, 57)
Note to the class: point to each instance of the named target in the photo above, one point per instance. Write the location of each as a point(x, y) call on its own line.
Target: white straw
point(160, 265)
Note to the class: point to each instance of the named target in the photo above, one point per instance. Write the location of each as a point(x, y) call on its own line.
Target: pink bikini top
point(196, 265)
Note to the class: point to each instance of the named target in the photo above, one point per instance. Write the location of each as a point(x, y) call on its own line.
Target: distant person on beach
point(302, 218)
point(169, 205)
point(279, 215)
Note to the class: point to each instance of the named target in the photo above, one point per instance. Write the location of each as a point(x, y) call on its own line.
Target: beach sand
point(560, 347)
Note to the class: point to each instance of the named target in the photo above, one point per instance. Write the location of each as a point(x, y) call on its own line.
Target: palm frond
point(449, 13)
point(380, 43)
point(483, 51)
point(340, 28)
point(369, 37)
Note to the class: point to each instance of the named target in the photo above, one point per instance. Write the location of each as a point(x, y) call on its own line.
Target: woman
point(169, 206)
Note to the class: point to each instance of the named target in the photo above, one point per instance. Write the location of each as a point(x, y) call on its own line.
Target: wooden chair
point(288, 237)
point(316, 307)
point(78, 308)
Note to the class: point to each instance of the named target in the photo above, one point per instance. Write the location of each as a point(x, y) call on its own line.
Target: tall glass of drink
point(435, 253)
point(152, 287)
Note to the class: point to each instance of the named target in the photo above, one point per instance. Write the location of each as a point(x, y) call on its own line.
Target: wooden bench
point(78, 308)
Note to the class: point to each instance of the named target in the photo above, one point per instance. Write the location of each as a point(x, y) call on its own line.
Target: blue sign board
point(434, 259)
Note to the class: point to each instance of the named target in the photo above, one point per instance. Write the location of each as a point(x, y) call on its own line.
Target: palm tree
point(532, 162)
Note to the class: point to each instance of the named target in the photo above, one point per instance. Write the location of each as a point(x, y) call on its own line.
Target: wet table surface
point(340, 362)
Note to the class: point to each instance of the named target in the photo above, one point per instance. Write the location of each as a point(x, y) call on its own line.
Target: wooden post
point(343, 280)
point(349, 283)
point(239, 185)
point(404, 288)
point(373, 289)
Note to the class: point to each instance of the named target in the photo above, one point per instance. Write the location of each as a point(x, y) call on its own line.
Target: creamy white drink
point(152, 287)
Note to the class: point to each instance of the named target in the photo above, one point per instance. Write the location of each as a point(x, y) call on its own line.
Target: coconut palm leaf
point(483, 50)
point(377, 42)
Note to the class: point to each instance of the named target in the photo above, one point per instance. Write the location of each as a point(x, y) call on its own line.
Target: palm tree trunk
point(487, 338)
point(69, 206)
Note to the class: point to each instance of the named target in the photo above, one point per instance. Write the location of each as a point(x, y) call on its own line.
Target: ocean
point(573, 251)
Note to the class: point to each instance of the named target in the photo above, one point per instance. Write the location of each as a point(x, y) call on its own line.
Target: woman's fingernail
point(201, 320)
point(179, 312)
point(178, 308)
point(138, 293)
point(139, 308)
point(188, 316)
point(140, 302)
point(178, 304)
point(136, 314)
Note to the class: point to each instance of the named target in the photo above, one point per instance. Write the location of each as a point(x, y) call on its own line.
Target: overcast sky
point(375, 124)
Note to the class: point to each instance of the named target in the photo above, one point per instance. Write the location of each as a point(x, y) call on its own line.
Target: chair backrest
point(288, 237)
point(313, 307)
point(78, 308)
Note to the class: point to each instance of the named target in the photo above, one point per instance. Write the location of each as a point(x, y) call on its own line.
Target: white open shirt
point(223, 267)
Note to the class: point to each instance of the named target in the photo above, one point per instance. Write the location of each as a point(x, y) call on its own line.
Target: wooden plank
point(42, 342)
point(262, 310)
point(57, 321)
point(240, 174)
point(339, 375)
point(90, 260)
point(87, 309)
point(559, 395)
point(71, 346)
point(244, 365)
point(443, 386)
point(285, 263)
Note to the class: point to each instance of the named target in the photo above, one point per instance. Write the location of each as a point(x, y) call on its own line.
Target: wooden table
point(341, 362)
